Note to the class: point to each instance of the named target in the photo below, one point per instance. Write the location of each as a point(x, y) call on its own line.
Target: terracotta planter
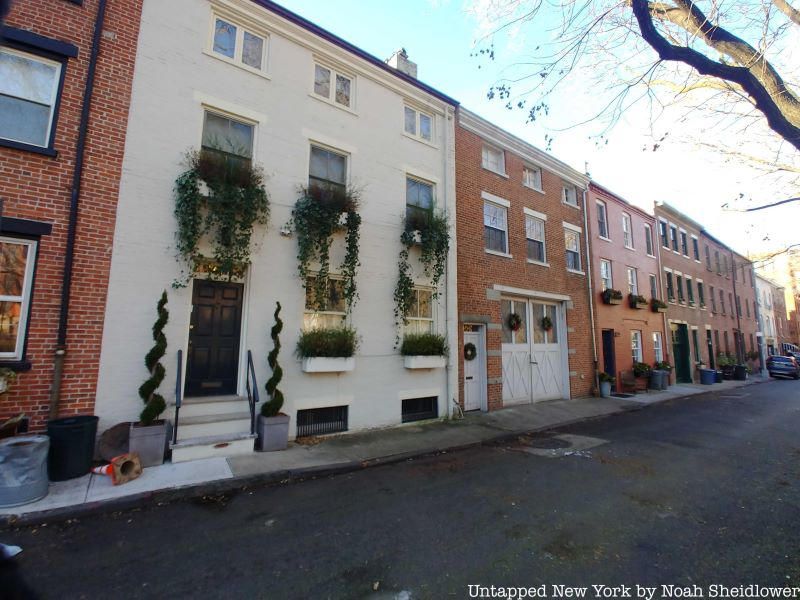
point(149, 442)
point(273, 432)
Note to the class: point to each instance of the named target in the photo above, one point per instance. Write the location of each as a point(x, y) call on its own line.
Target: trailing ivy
point(435, 238)
point(155, 403)
point(272, 407)
point(316, 217)
point(236, 202)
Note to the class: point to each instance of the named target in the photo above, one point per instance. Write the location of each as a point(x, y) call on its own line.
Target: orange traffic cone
point(122, 468)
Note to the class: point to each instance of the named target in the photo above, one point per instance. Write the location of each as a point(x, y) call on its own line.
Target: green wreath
point(514, 322)
point(470, 351)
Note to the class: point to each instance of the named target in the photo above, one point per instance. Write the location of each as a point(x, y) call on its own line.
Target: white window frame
point(648, 241)
point(531, 214)
point(573, 229)
point(602, 209)
point(695, 244)
point(486, 153)
point(690, 298)
point(413, 323)
point(683, 240)
point(654, 292)
point(207, 109)
point(504, 205)
point(633, 280)
point(238, 48)
point(537, 176)
point(55, 96)
point(24, 299)
point(331, 97)
point(662, 238)
point(627, 231)
point(309, 315)
point(417, 133)
point(674, 241)
point(658, 347)
point(636, 346)
point(570, 192)
point(606, 275)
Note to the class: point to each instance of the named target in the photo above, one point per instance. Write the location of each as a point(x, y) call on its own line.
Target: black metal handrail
point(252, 391)
point(178, 398)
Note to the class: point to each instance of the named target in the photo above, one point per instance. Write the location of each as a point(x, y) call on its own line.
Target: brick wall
point(479, 271)
point(38, 187)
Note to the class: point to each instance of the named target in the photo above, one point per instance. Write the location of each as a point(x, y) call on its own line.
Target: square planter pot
point(150, 443)
point(424, 362)
point(325, 364)
point(273, 433)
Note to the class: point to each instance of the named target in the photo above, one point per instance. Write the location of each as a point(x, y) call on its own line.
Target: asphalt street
point(701, 491)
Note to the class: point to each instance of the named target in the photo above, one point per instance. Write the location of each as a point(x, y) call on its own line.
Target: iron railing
point(252, 391)
point(178, 398)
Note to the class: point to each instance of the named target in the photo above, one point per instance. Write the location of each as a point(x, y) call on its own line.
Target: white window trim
point(417, 137)
point(227, 114)
point(498, 253)
point(24, 299)
point(495, 199)
point(578, 230)
point(329, 148)
point(652, 241)
point(635, 271)
point(541, 177)
point(236, 61)
point(639, 346)
point(331, 99)
point(566, 186)
point(484, 164)
point(606, 238)
point(610, 272)
point(571, 226)
point(630, 231)
point(532, 213)
point(694, 237)
point(542, 217)
point(432, 318)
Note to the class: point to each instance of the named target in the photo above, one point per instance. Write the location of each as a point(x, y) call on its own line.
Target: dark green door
point(680, 350)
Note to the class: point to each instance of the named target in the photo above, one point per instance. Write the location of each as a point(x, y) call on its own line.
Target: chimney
point(399, 60)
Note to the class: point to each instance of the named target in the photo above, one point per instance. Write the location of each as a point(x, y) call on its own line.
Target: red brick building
point(66, 68)
point(625, 260)
point(523, 302)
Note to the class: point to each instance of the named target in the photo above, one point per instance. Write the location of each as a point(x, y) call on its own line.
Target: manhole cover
point(548, 443)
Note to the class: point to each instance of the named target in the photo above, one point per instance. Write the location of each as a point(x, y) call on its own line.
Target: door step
point(212, 405)
point(210, 446)
point(199, 426)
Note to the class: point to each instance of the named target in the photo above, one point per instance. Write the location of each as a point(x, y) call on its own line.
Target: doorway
point(609, 358)
point(212, 363)
point(680, 350)
point(474, 368)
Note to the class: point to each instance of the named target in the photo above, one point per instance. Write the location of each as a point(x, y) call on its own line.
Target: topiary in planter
point(155, 403)
point(272, 407)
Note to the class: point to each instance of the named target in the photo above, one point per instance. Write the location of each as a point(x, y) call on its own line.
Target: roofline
point(345, 45)
point(608, 192)
point(525, 150)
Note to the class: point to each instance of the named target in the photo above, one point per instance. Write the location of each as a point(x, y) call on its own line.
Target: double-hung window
point(708, 258)
point(662, 227)
point(331, 311)
point(495, 227)
point(696, 249)
point(716, 260)
point(493, 159)
point(572, 239)
point(534, 234)
point(722, 302)
point(684, 244)
point(418, 124)
point(420, 316)
point(670, 287)
point(569, 195)
point(238, 45)
point(29, 93)
point(16, 274)
point(419, 203)
point(636, 346)
point(627, 232)
point(701, 294)
point(633, 284)
point(648, 240)
point(532, 177)
point(227, 141)
point(679, 286)
point(602, 220)
point(606, 279)
point(327, 169)
point(725, 266)
point(653, 286)
point(673, 233)
point(689, 290)
point(658, 349)
point(713, 299)
point(333, 86)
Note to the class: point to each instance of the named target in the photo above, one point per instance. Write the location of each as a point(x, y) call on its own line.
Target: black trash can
point(71, 446)
point(740, 372)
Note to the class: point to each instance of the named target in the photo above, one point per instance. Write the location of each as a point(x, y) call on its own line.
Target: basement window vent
point(418, 409)
point(319, 421)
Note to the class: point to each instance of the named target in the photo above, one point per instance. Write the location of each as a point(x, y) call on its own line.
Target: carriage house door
point(213, 357)
point(548, 352)
point(516, 350)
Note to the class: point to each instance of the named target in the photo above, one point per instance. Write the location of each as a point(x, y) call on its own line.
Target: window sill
point(529, 187)
point(16, 365)
point(421, 140)
point(574, 272)
point(538, 262)
point(497, 253)
point(485, 168)
point(51, 152)
point(605, 239)
point(651, 255)
point(575, 206)
point(329, 102)
point(631, 248)
point(238, 65)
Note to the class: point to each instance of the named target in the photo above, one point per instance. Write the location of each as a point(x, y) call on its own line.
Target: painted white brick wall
point(173, 78)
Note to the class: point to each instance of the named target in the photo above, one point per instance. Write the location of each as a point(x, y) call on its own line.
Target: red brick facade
point(616, 323)
point(38, 186)
point(481, 272)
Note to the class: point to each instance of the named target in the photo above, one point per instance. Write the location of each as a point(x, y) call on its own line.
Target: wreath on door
point(470, 351)
point(514, 322)
point(547, 324)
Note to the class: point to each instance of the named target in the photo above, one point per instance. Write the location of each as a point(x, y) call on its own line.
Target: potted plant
point(641, 370)
point(327, 350)
point(7, 376)
point(606, 381)
point(424, 351)
point(657, 306)
point(148, 436)
point(611, 296)
point(273, 425)
point(726, 363)
point(547, 323)
point(637, 301)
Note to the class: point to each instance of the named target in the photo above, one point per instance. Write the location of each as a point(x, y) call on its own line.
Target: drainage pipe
point(77, 174)
point(595, 375)
point(451, 300)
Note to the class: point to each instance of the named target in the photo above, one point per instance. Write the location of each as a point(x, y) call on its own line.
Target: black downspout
point(69, 251)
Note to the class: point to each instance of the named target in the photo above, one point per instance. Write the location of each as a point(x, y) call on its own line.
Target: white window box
point(325, 364)
point(424, 362)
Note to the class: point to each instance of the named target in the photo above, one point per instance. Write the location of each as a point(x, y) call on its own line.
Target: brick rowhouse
point(509, 195)
point(624, 258)
point(36, 182)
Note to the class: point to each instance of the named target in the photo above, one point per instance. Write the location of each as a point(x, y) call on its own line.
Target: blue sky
point(439, 36)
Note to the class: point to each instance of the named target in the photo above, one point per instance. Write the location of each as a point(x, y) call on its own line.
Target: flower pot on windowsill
point(424, 362)
point(612, 297)
point(149, 442)
point(273, 432)
point(637, 302)
point(328, 364)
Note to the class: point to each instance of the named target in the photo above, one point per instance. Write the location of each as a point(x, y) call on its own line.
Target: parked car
point(783, 365)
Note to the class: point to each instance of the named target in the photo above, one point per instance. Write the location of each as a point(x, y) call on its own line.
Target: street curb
point(240, 483)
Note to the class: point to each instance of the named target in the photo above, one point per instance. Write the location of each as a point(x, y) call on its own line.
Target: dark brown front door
point(213, 357)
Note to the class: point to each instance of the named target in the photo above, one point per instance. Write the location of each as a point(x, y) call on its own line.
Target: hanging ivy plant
point(434, 242)
point(235, 202)
point(316, 217)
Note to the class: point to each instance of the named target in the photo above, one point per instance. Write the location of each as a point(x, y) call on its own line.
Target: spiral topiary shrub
point(154, 402)
point(272, 407)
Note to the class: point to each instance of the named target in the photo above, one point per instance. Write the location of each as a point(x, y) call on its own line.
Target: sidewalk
point(332, 455)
